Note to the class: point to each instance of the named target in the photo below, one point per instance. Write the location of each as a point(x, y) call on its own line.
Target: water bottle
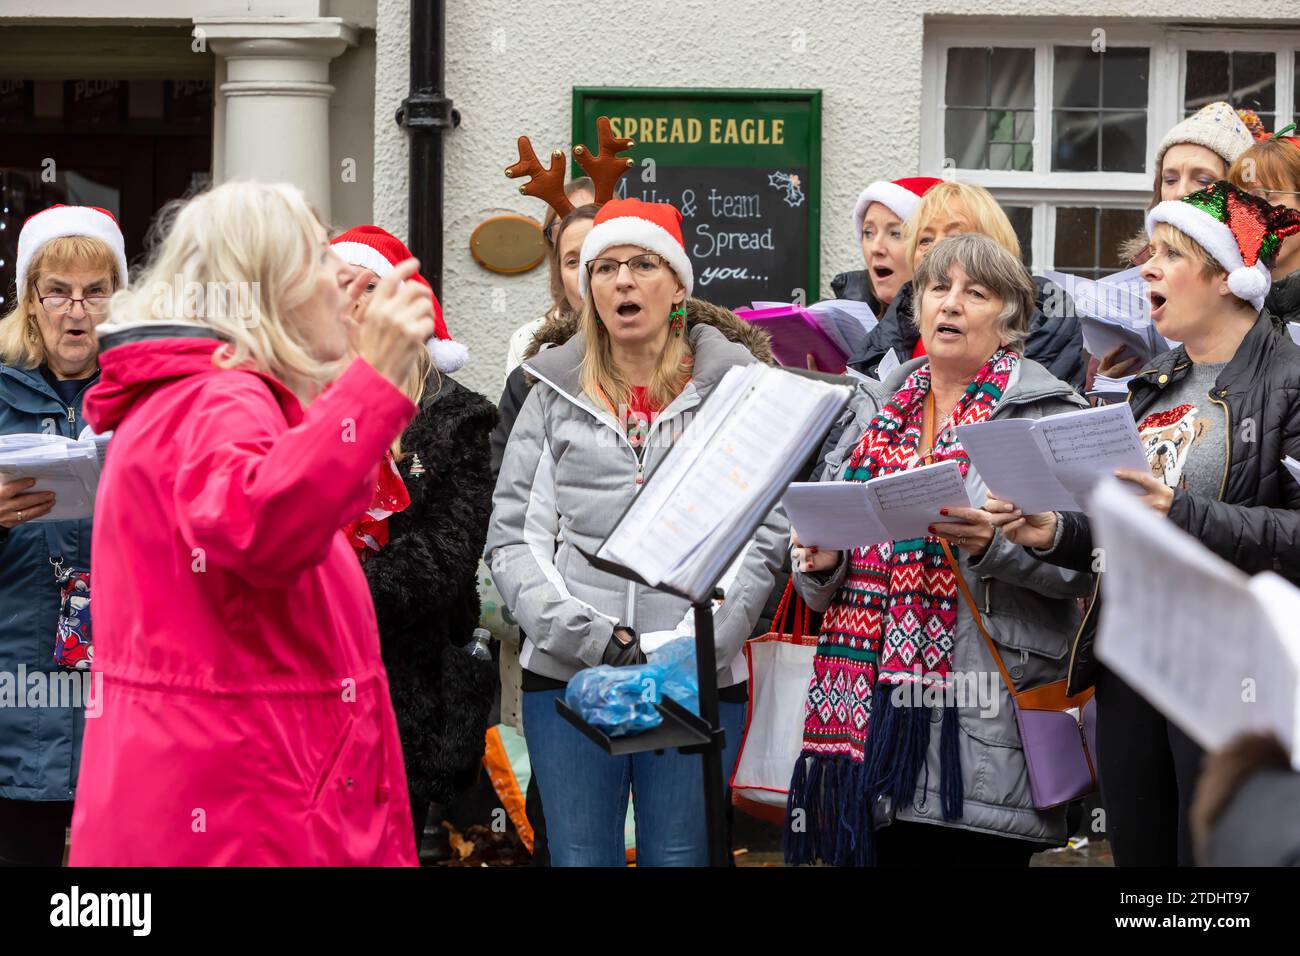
point(480, 647)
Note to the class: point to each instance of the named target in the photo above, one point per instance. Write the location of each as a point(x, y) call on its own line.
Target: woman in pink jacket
point(246, 717)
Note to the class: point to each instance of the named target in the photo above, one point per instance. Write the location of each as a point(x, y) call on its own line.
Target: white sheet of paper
point(1050, 464)
point(834, 515)
point(1209, 647)
point(908, 502)
point(888, 362)
point(1292, 466)
point(66, 467)
point(1293, 328)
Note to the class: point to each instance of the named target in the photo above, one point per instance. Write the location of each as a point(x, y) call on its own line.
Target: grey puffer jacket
point(568, 474)
point(1029, 609)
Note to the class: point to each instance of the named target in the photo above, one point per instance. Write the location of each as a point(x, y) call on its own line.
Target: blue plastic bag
point(621, 700)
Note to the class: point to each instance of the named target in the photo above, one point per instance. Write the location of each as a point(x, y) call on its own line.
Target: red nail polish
point(943, 511)
point(931, 530)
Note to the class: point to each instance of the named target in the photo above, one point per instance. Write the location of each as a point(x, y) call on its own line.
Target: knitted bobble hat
point(1217, 127)
point(1242, 232)
point(378, 250)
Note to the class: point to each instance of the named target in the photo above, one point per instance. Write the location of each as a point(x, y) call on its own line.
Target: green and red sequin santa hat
point(1242, 232)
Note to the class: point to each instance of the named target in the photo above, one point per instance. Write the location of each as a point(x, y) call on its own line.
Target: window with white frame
point(1061, 121)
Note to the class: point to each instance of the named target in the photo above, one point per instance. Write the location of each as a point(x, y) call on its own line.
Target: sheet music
point(1212, 649)
point(1292, 466)
point(908, 502)
point(1050, 464)
point(707, 491)
point(888, 362)
point(66, 467)
point(834, 515)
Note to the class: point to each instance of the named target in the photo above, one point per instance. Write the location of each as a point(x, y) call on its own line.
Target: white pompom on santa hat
point(60, 221)
point(378, 250)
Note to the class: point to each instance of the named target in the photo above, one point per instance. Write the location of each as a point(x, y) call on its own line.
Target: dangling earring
point(677, 319)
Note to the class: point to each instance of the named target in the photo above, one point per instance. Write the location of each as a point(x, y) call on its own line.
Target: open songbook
point(830, 331)
point(1050, 464)
point(1216, 651)
point(67, 467)
point(839, 515)
point(722, 477)
point(1114, 311)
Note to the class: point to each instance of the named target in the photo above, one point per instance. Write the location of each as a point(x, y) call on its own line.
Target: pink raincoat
point(246, 717)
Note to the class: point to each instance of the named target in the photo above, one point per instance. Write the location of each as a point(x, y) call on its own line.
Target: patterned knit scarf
point(888, 635)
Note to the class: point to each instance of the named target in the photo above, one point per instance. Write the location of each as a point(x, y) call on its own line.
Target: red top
point(919, 350)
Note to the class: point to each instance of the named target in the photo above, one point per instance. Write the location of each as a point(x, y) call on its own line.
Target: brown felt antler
point(606, 167)
point(545, 182)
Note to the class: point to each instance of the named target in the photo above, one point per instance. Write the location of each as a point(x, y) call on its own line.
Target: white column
point(274, 98)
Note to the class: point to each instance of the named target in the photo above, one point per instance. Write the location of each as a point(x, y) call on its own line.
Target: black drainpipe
point(425, 114)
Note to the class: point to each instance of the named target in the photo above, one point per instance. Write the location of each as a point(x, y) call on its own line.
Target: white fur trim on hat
point(367, 257)
point(901, 202)
point(69, 221)
point(1217, 239)
point(447, 355)
point(635, 231)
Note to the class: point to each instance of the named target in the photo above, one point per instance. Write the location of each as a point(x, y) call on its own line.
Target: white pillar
point(274, 98)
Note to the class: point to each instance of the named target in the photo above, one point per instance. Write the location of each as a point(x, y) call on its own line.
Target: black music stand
point(682, 729)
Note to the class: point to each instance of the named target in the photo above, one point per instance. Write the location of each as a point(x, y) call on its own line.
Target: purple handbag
point(1058, 733)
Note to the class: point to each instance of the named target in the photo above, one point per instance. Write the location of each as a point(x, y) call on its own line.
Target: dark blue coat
point(40, 747)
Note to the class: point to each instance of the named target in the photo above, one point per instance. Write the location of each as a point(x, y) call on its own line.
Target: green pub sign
point(744, 169)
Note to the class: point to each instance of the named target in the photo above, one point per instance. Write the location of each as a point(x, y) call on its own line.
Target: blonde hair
point(413, 388)
point(1268, 164)
point(605, 383)
point(21, 343)
point(1186, 246)
point(250, 242)
point(983, 210)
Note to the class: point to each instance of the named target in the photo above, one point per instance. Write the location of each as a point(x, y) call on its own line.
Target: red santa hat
point(654, 226)
point(60, 221)
point(901, 197)
point(380, 251)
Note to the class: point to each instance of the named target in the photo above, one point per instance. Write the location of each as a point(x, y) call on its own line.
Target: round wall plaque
point(508, 243)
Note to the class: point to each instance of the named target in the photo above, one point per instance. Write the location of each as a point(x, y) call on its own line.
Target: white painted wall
point(865, 56)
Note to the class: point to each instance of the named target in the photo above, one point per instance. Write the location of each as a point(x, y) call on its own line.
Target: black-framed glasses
point(62, 304)
point(644, 266)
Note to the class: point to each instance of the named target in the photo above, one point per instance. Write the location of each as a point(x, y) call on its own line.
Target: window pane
point(1117, 227)
point(1022, 221)
point(1254, 81)
point(1012, 74)
point(968, 77)
point(1001, 156)
point(1123, 142)
point(1124, 79)
point(1076, 238)
point(965, 134)
point(1207, 78)
point(1076, 77)
point(1074, 141)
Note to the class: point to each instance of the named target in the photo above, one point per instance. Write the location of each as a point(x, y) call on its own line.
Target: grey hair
point(986, 262)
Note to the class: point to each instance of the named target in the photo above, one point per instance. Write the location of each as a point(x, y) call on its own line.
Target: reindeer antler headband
point(547, 182)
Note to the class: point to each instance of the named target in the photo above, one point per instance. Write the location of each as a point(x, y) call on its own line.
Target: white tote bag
point(780, 669)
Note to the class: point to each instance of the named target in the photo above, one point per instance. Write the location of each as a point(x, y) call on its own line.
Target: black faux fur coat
point(425, 586)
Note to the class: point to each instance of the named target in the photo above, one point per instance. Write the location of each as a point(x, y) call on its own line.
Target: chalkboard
point(744, 169)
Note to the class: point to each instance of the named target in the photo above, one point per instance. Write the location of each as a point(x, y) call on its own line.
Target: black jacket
point(1283, 301)
point(425, 586)
point(1055, 335)
point(855, 285)
point(1254, 523)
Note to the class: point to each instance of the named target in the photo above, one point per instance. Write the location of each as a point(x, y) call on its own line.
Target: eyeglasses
point(1264, 194)
point(645, 266)
point(62, 304)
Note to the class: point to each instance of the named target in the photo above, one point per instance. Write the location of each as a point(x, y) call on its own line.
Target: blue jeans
point(585, 792)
